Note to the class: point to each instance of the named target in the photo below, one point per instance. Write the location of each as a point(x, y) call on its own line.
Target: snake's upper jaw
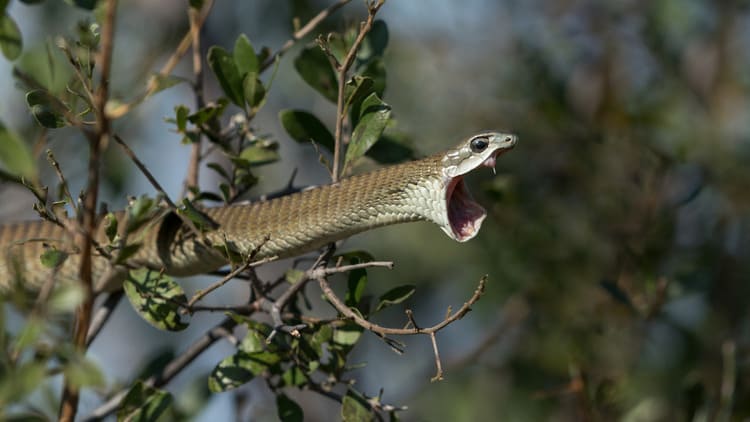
point(465, 215)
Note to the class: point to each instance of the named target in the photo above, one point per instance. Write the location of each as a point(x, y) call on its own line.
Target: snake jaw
point(465, 216)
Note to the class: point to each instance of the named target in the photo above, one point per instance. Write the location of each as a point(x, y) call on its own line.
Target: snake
point(429, 189)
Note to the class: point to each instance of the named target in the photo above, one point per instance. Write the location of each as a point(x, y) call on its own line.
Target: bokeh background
point(618, 232)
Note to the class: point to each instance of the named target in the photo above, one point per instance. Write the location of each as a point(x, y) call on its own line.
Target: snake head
point(464, 215)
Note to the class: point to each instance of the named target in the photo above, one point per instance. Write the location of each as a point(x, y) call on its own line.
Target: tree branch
point(97, 141)
point(384, 331)
point(302, 32)
point(365, 27)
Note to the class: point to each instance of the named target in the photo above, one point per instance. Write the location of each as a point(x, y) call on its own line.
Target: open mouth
point(465, 215)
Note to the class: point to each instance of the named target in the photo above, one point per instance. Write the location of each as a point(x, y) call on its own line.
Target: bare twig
point(97, 140)
point(384, 331)
point(200, 294)
point(364, 28)
point(63, 182)
point(302, 32)
point(325, 271)
point(142, 167)
point(439, 372)
point(274, 308)
point(155, 183)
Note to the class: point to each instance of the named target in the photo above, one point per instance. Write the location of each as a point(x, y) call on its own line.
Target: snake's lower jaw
point(465, 216)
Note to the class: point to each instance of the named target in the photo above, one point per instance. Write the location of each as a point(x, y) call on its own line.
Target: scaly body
point(429, 189)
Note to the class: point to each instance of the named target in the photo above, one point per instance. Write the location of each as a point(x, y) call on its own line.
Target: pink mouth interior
point(464, 215)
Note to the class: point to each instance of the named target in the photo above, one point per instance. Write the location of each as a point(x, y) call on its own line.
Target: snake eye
point(479, 144)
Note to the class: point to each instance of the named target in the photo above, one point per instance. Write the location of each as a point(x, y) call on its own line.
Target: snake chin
point(465, 215)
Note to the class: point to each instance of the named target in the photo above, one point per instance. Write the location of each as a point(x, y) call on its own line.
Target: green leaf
point(240, 368)
point(144, 404)
point(356, 282)
point(354, 408)
point(294, 376)
point(166, 81)
point(374, 116)
point(293, 275)
point(253, 90)
point(244, 57)
point(355, 256)
point(86, 4)
point(288, 409)
point(391, 149)
point(225, 69)
point(322, 336)
point(201, 220)
point(340, 44)
point(127, 252)
point(139, 212)
point(15, 155)
point(218, 169)
point(314, 67)
point(395, 295)
point(155, 296)
point(375, 70)
point(304, 127)
point(260, 153)
point(255, 339)
point(375, 42)
point(10, 38)
point(348, 334)
point(110, 226)
point(357, 89)
point(208, 112)
point(53, 258)
point(46, 109)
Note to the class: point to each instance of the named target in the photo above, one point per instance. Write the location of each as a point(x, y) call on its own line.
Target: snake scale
point(429, 189)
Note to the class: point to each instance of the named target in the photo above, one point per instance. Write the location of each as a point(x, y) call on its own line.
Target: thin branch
point(97, 140)
point(274, 308)
point(439, 374)
point(192, 177)
point(325, 271)
point(155, 183)
point(200, 294)
point(63, 182)
point(302, 32)
point(384, 331)
point(171, 63)
point(171, 369)
point(102, 316)
point(348, 313)
point(364, 28)
point(142, 167)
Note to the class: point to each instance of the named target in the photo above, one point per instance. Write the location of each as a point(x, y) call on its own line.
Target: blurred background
point(618, 232)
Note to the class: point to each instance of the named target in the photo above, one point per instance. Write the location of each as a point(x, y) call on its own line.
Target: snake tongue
point(465, 216)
